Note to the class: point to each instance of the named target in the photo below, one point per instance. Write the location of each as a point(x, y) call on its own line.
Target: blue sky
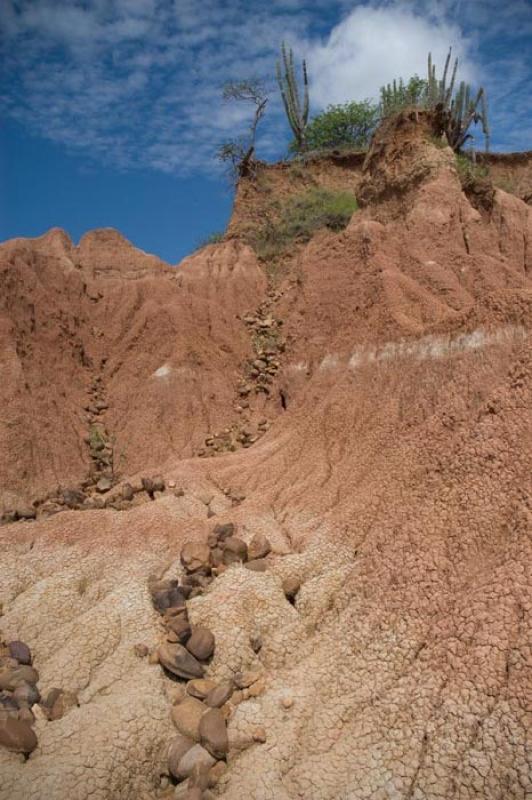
point(111, 110)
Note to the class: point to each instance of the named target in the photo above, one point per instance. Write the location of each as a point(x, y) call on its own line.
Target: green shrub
point(342, 126)
point(300, 217)
point(467, 170)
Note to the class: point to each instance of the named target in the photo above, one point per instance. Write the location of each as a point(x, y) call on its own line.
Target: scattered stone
point(287, 702)
point(73, 498)
point(210, 513)
point(179, 661)
point(224, 531)
point(171, 484)
point(13, 677)
point(259, 547)
point(167, 594)
point(200, 688)
point(217, 556)
point(16, 735)
point(25, 512)
point(201, 643)
point(220, 695)
point(235, 550)
point(178, 747)
point(180, 626)
point(243, 680)
point(26, 695)
point(213, 732)
point(103, 485)
point(141, 650)
point(20, 651)
point(256, 643)
point(195, 556)
point(206, 498)
point(259, 735)
point(257, 688)
point(257, 565)
point(127, 492)
point(196, 756)
point(158, 484)
point(217, 772)
point(179, 492)
point(186, 716)
point(147, 485)
point(64, 703)
point(153, 658)
point(51, 697)
point(291, 587)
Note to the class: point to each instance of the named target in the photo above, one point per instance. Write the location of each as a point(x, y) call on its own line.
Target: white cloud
point(374, 45)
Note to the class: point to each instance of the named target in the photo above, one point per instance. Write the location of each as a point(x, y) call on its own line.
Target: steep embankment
point(393, 483)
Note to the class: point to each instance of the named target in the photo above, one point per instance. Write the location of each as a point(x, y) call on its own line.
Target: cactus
point(286, 78)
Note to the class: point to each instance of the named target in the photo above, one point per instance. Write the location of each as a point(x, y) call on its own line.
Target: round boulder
point(201, 643)
point(20, 651)
point(220, 694)
point(179, 661)
point(13, 677)
point(200, 687)
point(26, 695)
point(235, 550)
point(186, 716)
point(195, 556)
point(196, 758)
point(178, 747)
point(259, 547)
point(213, 732)
point(16, 735)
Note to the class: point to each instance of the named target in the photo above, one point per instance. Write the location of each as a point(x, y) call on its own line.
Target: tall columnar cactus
point(459, 112)
point(296, 113)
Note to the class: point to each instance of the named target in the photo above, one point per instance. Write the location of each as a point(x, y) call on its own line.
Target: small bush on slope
point(300, 217)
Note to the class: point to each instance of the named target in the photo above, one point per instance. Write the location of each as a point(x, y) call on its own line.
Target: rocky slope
point(392, 478)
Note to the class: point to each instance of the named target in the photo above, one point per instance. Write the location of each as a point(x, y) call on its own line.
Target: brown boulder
point(220, 694)
point(63, 703)
point(195, 556)
point(20, 651)
point(26, 695)
point(235, 550)
point(197, 759)
point(259, 547)
point(257, 565)
point(202, 642)
point(13, 677)
point(181, 627)
point(16, 735)
point(178, 747)
point(177, 660)
point(186, 716)
point(224, 531)
point(200, 687)
point(213, 732)
point(291, 587)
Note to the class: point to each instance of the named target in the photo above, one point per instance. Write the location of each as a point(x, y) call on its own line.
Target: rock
point(235, 550)
point(8, 704)
point(195, 556)
point(158, 484)
point(141, 650)
point(27, 714)
point(26, 695)
point(257, 688)
point(259, 735)
point(259, 547)
point(103, 485)
point(73, 498)
point(224, 531)
point(257, 565)
point(16, 735)
point(20, 651)
point(196, 756)
point(26, 512)
point(217, 772)
point(200, 687)
point(127, 492)
point(179, 661)
point(217, 556)
point(51, 697)
point(186, 716)
point(181, 627)
point(62, 705)
point(287, 702)
point(147, 485)
point(201, 643)
point(206, 498)
point(291, 587)
point(213, 732)
point(220, 695)
point(178, 747)
point(13, 677)
point(167, 594)
point(243, 680)
point(179, 492)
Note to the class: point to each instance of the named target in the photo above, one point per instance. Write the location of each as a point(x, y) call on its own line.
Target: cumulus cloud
point(373, 45)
